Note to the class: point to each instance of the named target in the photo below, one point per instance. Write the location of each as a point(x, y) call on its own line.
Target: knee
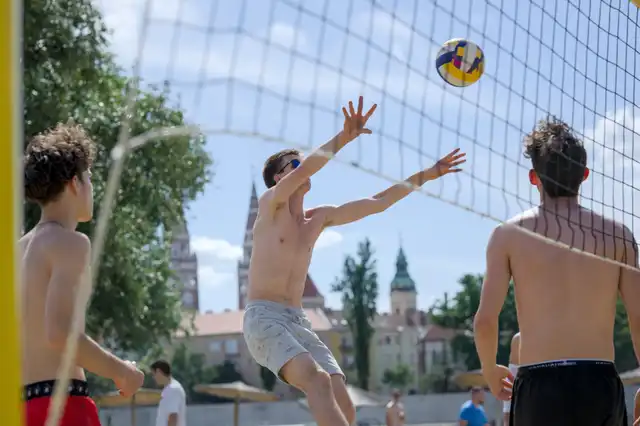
point(318, 381)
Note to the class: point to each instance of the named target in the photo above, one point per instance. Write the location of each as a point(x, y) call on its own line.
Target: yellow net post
point(10, 190)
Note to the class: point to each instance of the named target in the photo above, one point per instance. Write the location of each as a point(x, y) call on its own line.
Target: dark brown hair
point(53, 158)
point(558, 157)
point(162, 366)
point(273, 165)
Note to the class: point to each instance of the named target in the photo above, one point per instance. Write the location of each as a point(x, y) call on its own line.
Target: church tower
point(247, 248)
point(403, 289)
point(311, 298)
point(185, 265)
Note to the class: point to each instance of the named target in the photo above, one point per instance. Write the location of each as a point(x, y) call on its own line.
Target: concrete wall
point(439, 409)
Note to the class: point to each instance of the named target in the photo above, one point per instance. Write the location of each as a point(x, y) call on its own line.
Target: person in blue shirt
point(472, 412)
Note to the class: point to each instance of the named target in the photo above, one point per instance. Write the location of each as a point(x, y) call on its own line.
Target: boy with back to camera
point(566, 299)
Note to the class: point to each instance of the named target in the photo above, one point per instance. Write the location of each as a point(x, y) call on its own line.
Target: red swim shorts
point(80, 410)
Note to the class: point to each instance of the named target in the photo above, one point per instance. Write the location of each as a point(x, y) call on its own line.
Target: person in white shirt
point(172, 410)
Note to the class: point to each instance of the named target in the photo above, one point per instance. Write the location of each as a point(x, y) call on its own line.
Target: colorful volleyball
point(460, 62)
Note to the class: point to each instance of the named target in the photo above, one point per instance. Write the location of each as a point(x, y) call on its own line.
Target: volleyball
point(460, 62)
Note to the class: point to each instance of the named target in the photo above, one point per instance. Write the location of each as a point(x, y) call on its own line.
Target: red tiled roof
point(435, 332)
point(310, 289)
point(230, 322)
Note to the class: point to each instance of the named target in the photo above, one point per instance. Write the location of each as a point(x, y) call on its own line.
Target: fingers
point(351, 110)
point(457, 163)
point(345, 113)
point(366, 131)
point(370, 112)
point(360, 106)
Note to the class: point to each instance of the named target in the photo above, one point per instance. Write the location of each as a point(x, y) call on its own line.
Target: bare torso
point(282, 249)
point(566, 300)
point(395, 413)
point(39, 361)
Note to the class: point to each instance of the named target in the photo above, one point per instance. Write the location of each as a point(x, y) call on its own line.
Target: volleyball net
point(279, 71)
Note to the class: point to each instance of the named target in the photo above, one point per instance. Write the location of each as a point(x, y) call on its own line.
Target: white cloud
point(216, 260)
point(615, 164)
point(208, 276)
point(218, 249)
point(328, 238)
point(124, 18)
point(287, 36)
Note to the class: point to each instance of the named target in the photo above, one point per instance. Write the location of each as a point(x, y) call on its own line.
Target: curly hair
point(273, 166)
point(53, 158)
point(558, 157)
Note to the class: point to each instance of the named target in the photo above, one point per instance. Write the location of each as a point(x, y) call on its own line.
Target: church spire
point(402, 281)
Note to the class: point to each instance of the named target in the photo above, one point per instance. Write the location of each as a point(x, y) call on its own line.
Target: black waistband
point(568, 365)
point(42, 389)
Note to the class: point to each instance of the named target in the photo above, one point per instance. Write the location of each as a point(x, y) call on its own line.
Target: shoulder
point(75, 243)
point(63, 244)
point(501, 235)
point(466, 407)
point(174, 389)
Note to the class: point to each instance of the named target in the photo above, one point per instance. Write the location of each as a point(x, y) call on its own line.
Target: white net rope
point(279, 71)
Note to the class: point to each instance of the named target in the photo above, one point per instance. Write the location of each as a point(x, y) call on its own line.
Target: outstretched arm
point(358, 209)
point(354, 126)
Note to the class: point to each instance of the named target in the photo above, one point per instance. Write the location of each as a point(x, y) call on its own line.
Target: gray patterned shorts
point(276, 333)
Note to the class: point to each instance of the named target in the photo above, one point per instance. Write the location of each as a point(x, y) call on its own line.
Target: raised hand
point(354, 121)
point(447, 164)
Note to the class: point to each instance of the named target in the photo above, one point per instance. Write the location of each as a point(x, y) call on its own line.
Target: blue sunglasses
point(294, 165)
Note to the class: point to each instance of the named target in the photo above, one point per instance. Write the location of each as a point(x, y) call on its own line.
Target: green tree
point(400, 376)
point(268, 378)
point(227, 373)
point(70, 74)
point(190, 370)
point(459, 313)
point(625, 355)
point(359, 288)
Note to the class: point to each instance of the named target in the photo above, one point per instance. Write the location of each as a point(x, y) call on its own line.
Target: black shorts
point(568, 393)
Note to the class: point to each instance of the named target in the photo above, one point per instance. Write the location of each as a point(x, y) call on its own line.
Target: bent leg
point(305, 374)
point(343, 399)
point(325, 359)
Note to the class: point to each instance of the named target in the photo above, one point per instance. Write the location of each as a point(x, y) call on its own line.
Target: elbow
point(484, 322)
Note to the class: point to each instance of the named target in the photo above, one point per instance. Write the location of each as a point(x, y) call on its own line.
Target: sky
point(261, 75)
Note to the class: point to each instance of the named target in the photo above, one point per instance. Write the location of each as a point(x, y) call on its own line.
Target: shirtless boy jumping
point(566, 299)
point(54, 264)
point(276, 330)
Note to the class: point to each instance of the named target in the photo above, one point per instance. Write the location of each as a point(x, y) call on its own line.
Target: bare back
point(39, 360)
point(566, 300)
point(282, 249)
